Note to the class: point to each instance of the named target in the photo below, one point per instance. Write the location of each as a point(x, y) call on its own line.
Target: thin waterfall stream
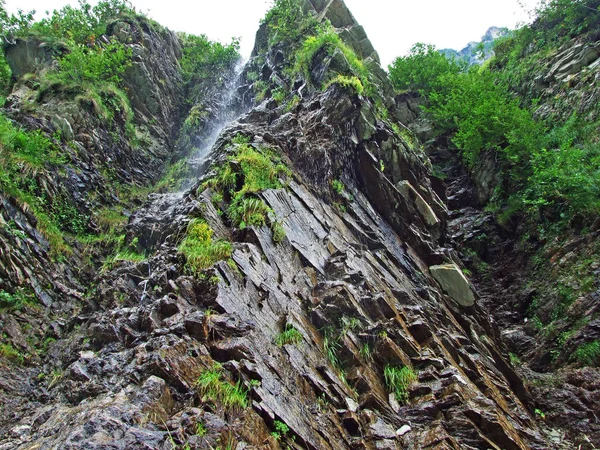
point(229, 113)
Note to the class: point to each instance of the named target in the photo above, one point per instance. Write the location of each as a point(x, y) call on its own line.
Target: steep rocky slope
point(323, 326)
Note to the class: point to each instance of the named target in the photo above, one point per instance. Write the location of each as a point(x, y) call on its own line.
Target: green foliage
point(421, 69)
point(539, 413)
point(338, 186)
point(10, 353)
point(481, 114)
point(345, 81)
point(557, 19)
point(289, 336)
point(123, 253)
point(206, 60)
point(15, 300)
point(588, 354)
point(278, 232)
point(514, 360)
point(95, 64)
point(213, 387)
point(366, 352)
point(201, 429)
point(248, 211)
point(330, 41)
point(279, 95)
point(287, 23)
point(247, 172)
point(199, 248)
point(555, 173)
point(23, 156)
point(281, 430)
point(331, 346)
point(83, 24)
point(398, 380)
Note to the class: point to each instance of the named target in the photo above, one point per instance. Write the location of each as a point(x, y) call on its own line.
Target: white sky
point(392, 25)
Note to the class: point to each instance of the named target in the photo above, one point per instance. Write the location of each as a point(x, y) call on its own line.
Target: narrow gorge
point(299, 276)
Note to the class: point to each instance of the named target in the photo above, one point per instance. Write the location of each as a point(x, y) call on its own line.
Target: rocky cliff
point(303, 293)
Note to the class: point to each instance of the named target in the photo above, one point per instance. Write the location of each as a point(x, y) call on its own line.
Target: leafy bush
point(247, 172)
point(286, 22)
point(199, 248)
point(248, 211)
point(24, 155)
point(588, 354)
point(352, 82)
point(84, 24)
point(553, 171)
point(421, 69)
point(206, 60)
point(95, 64)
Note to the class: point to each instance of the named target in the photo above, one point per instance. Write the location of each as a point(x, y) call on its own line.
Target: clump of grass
point(7, 351)
point(398, 381)
point(249, 211)
point(248, 172)
point(345, 81)
point(289, 336)
point(199, 248)
point(366, 352)
point(212, 387)
point(331, 346)
point(330, 40)
point(588, 354)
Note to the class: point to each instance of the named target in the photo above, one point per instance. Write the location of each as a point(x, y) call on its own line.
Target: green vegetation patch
point(330, 41)
point(588, 354)
point(398, 380)
point(247, 172)
point(551, 168)
point(199, 248)
point(289, 336)
point(213, 387)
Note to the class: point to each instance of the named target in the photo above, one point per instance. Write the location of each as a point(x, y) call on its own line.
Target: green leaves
point(422, 70)
point(204, 59)
point(96, 64)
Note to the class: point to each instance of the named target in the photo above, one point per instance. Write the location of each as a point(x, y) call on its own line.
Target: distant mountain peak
point(472, 52)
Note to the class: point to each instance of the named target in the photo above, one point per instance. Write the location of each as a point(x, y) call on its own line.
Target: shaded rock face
point(352, 276)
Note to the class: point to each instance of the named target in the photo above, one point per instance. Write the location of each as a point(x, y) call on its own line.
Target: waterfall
point(229, 112)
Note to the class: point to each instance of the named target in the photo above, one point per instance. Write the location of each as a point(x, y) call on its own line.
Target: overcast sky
point(392, 25)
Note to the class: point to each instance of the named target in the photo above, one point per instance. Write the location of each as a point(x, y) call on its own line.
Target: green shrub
point(342, 80)
point(287, 23)
point(199, 248)
point(248, 211)
point(338, 186)
point(24, 155)
point(7, 351)
point(289, 336)
point(421, 69)
point(206, 60)
point(83, 25)
point(398, 380)
point(16, 300)
point(95, 64)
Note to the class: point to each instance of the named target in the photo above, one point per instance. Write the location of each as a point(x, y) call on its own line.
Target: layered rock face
point(383, 355)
